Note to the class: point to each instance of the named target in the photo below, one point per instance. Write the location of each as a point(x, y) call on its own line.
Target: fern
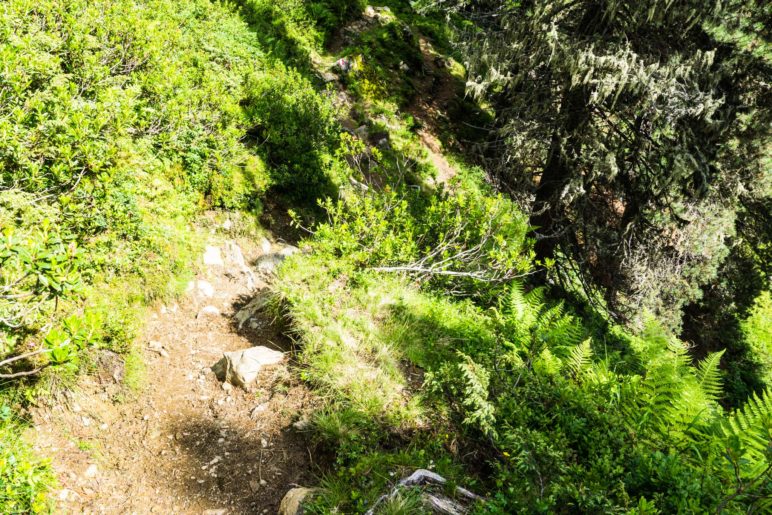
point(709, 376)
point(579, 360)
point(479, 410)
point(752, 425)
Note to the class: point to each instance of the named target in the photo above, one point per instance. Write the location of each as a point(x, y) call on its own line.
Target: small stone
point(302, 424)
point(208, 311)
point(91, 471)
point(264, 442)
point(103, 427)
point(265, 245)
point(263, 482)
point(254, 486)
point(227, 387)
point(212, 256)
point(227, 225)
point(86, 421)
point(203, 288)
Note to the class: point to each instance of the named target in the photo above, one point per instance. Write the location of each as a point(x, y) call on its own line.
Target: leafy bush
point(757, 329)
point(296, 130)
point(456, 241)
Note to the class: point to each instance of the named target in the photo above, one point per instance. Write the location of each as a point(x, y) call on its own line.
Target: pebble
point(91, 471)
point(208, 311)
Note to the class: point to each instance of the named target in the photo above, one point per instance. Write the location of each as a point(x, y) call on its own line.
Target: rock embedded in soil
point(202, 288)
point(242, 367)
point(212, 256)
point(254, 305)
point(268, 263)
point(208, 311)
point(292, 504)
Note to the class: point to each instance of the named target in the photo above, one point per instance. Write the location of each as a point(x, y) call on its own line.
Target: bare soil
point(183, 443)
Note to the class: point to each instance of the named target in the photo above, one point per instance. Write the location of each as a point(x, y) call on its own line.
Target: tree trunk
point(547, 213)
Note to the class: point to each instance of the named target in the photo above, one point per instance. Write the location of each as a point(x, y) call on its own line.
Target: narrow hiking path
point(185, 443)
point(435, 89)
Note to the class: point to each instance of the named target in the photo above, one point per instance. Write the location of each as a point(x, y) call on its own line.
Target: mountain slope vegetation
point(534, 254)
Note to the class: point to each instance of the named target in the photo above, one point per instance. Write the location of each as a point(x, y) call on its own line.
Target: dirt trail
point(184, 444)
point(435, 89)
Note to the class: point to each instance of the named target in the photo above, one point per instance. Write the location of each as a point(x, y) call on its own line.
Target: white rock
point(203, 288)
point(212, 256)
point(208, 311)
point(91, 471)
point(227, 225)
point(265, 245)
point(241, 368)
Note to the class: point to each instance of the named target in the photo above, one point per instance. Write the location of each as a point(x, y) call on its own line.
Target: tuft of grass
point(25, 479)
point(135, 371)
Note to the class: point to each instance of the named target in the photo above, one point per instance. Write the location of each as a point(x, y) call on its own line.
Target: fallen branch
point(478, 276)
point(26, 373)
point(27, 355)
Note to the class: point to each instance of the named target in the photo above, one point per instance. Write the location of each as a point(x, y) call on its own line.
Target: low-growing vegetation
point(552, 290)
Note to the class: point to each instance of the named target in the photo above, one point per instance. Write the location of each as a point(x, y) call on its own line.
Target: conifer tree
point(631, 130)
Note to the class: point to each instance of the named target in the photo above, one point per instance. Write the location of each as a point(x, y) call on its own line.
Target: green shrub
point(757, 330)
point(467, 243)
point(295, 129)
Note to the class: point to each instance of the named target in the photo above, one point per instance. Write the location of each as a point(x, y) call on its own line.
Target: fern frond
point(518, 305)
point(536, 298)
point(752, 426)
point(579, 359)
point(479, 410)
point(709, 375)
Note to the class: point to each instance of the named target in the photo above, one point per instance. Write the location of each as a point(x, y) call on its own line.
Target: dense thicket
point(632, 132)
